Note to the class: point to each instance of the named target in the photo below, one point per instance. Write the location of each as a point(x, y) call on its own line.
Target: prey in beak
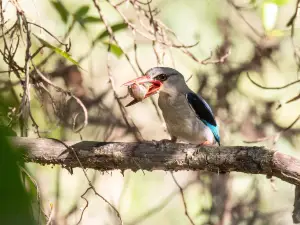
point(141, 88)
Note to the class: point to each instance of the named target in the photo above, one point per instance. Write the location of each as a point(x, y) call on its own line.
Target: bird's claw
point(205, 143)
point(163, 142)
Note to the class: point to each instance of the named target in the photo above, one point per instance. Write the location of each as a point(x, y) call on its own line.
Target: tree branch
point(162, 156)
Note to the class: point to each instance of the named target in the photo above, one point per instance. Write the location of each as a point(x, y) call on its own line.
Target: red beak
point(152, 89)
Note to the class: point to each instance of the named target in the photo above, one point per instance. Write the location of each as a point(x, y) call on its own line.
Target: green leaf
point(8, 130)
point(276, 33)
point(115, 28)
point(32, 185)
point(113, 48)
point(91, 19)
point(16, 206)
point(291, 21)
point(278, 2)
point(61, 9)
point(269, 15)
point(82, 11)
point(58, 51)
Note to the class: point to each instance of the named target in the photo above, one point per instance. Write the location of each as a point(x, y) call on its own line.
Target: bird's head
point(163, 79)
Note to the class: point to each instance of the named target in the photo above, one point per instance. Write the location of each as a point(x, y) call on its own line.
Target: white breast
point(181, 120)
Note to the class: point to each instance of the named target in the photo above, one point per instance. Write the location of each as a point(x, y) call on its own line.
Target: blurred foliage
point(62, 53)
point(115, 28)
point(115, 49)
point(260, 45)
point(61, 9)
point(15, 207)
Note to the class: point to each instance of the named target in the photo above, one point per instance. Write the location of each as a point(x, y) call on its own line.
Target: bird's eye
point(162, 77)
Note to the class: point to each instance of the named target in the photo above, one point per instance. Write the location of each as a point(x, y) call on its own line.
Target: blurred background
point(92, 47)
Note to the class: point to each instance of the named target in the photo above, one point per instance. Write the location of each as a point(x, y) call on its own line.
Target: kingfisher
point(187, 115)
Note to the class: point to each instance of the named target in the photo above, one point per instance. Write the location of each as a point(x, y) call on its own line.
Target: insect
point(138, 92)
point(142, 88)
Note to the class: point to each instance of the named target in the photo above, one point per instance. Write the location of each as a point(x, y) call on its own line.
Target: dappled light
point(142, 112)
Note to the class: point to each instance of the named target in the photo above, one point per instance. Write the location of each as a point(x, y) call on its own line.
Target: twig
point(155, 28)
point(89, 181)
point(187, 80)
point(135, 29)
point(68, 47)
point(111, 33)
point(271, 88)
point(161, 205)
point(243, 18)
point(112, 37)
point(86, 205)
point(12, 28)
point(292, 124)
point(220, 60)
point(136, 58)
point(85, 113)
point(289, 101)
point(37, 51)
point(275, 137)
point(51, 215)
point(183, 199)
point(227, 212)
point(25, 103)
point(293, 18)
point(48, 32)
point(17, 6)
point(37, 191)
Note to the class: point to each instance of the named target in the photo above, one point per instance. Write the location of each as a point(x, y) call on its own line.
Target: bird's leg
point(165, 141)
point(173, 140)
point(205, 143)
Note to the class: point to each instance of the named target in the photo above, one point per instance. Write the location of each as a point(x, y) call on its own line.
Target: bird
point(188, 116)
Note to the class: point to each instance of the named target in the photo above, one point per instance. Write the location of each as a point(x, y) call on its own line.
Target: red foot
point(206, 143)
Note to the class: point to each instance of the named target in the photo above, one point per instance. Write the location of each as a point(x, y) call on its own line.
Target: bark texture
point(164, 156)
point(161, 156)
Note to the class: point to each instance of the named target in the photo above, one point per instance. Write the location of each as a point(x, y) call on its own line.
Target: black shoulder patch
point(201, 108)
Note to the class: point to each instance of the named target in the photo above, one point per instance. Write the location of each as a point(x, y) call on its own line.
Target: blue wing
point(204, 113)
